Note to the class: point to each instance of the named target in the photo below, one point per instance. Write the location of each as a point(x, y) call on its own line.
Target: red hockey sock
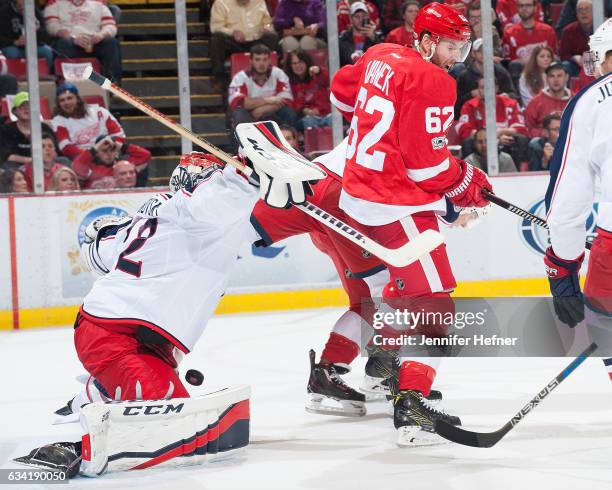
point(339, 349)
point(416, 376)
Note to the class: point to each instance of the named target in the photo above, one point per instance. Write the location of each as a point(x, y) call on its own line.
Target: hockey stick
point(398, 257)
point(489, 439)
point(520, 211)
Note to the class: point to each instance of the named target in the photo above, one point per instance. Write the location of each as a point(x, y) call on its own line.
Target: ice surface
point(565, 444)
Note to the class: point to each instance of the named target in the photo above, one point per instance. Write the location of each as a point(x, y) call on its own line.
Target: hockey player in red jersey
point(399, 172)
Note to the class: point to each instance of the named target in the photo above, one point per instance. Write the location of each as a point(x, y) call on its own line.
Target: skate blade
point(373, 389)
point(414, 436)
point(344, 408)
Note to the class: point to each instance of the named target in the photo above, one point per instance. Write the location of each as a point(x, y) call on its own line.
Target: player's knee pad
point(131, 435)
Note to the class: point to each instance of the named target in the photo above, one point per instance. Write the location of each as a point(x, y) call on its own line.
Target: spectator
point(357, 38)
point(8, 83)
point(541, 148)
point(15, 147)
point(568, 14)
point(533, 77)
point(508, 13)
point(520, 39)
point(344, 13)
point(77, 125)
point(83, 29)
point(467, 81)
point(310, 87)
point(261, 92)
point(301, 24)
point(478, 157)
point(64, 180)
point(97, 162)
point(553, 98)
point(12, 32)
point(475, 19)
point(124, 174)
point(237, 26)
point(575, 37)
point(290, 134)
point(511, 130)
point(51, 163)
point(13, 180)
point(403, 34)
point(392, 17)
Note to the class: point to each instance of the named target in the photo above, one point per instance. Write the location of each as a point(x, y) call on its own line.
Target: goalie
point(163, 273)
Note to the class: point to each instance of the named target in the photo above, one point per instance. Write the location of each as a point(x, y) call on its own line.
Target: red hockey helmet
point(443, 21)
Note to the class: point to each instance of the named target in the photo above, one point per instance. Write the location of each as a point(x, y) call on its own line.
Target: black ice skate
point(381, 375)
point(329, 394)
point(414, 417)
point(64, 457)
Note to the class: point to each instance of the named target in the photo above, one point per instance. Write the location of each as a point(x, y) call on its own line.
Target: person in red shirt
point(97, 163)
point(508, 13)
point(553, 98)
point(51, 162)
point(359, 36)
point(398, 172)
point(511, 129)
point(520, 39)
point(310, 87)
point(575, 37)
point(404, 34)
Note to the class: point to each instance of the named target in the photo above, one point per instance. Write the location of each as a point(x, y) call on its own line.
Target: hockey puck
point(194, 377)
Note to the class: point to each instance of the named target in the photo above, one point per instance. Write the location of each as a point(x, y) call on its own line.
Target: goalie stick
point(520, 211)
point(489, 439)
point(398, 257)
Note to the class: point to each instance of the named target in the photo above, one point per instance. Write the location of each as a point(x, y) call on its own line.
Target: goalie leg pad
point(127, 368)
point(136, 435)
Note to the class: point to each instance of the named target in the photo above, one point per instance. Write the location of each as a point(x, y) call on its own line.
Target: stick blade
point(464, 437)
point(413, 250)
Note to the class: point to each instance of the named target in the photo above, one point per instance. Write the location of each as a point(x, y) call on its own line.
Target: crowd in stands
point(537, 65)
point(83, 144)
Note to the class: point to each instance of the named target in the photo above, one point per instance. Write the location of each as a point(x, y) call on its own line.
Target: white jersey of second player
point(582, 156)
point(169, 267)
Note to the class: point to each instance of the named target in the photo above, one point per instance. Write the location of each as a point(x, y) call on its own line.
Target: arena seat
point(19, 68)
point(317, 141)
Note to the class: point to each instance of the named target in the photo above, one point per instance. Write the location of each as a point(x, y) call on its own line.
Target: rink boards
point(43, 280)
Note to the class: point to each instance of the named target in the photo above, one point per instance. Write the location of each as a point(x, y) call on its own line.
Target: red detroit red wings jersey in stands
point(397, 162)
point(243, 85)
point(508, 114)
point(518, 42)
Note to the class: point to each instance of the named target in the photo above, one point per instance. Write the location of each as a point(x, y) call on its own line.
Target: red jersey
point(400, 36)
point(313, 94)
point(397, 162)
point(519, 42)
point(507, 13)
point(507, 111)
point(541, 106)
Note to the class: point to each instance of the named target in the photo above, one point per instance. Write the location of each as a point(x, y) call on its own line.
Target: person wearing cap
point(15, 147)
point(553, 98)
point(361, 34)
point(344, 13)
point(467, 81)
point(83, 29)
point(301, 24)
point(77, 125)
point(97, 162)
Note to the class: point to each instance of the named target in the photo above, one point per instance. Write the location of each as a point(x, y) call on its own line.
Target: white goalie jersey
point(169, 266)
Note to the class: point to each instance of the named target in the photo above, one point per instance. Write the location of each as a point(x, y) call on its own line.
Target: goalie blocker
point(140, 434)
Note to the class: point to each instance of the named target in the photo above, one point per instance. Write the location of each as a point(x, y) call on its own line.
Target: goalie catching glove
point(284, 174)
